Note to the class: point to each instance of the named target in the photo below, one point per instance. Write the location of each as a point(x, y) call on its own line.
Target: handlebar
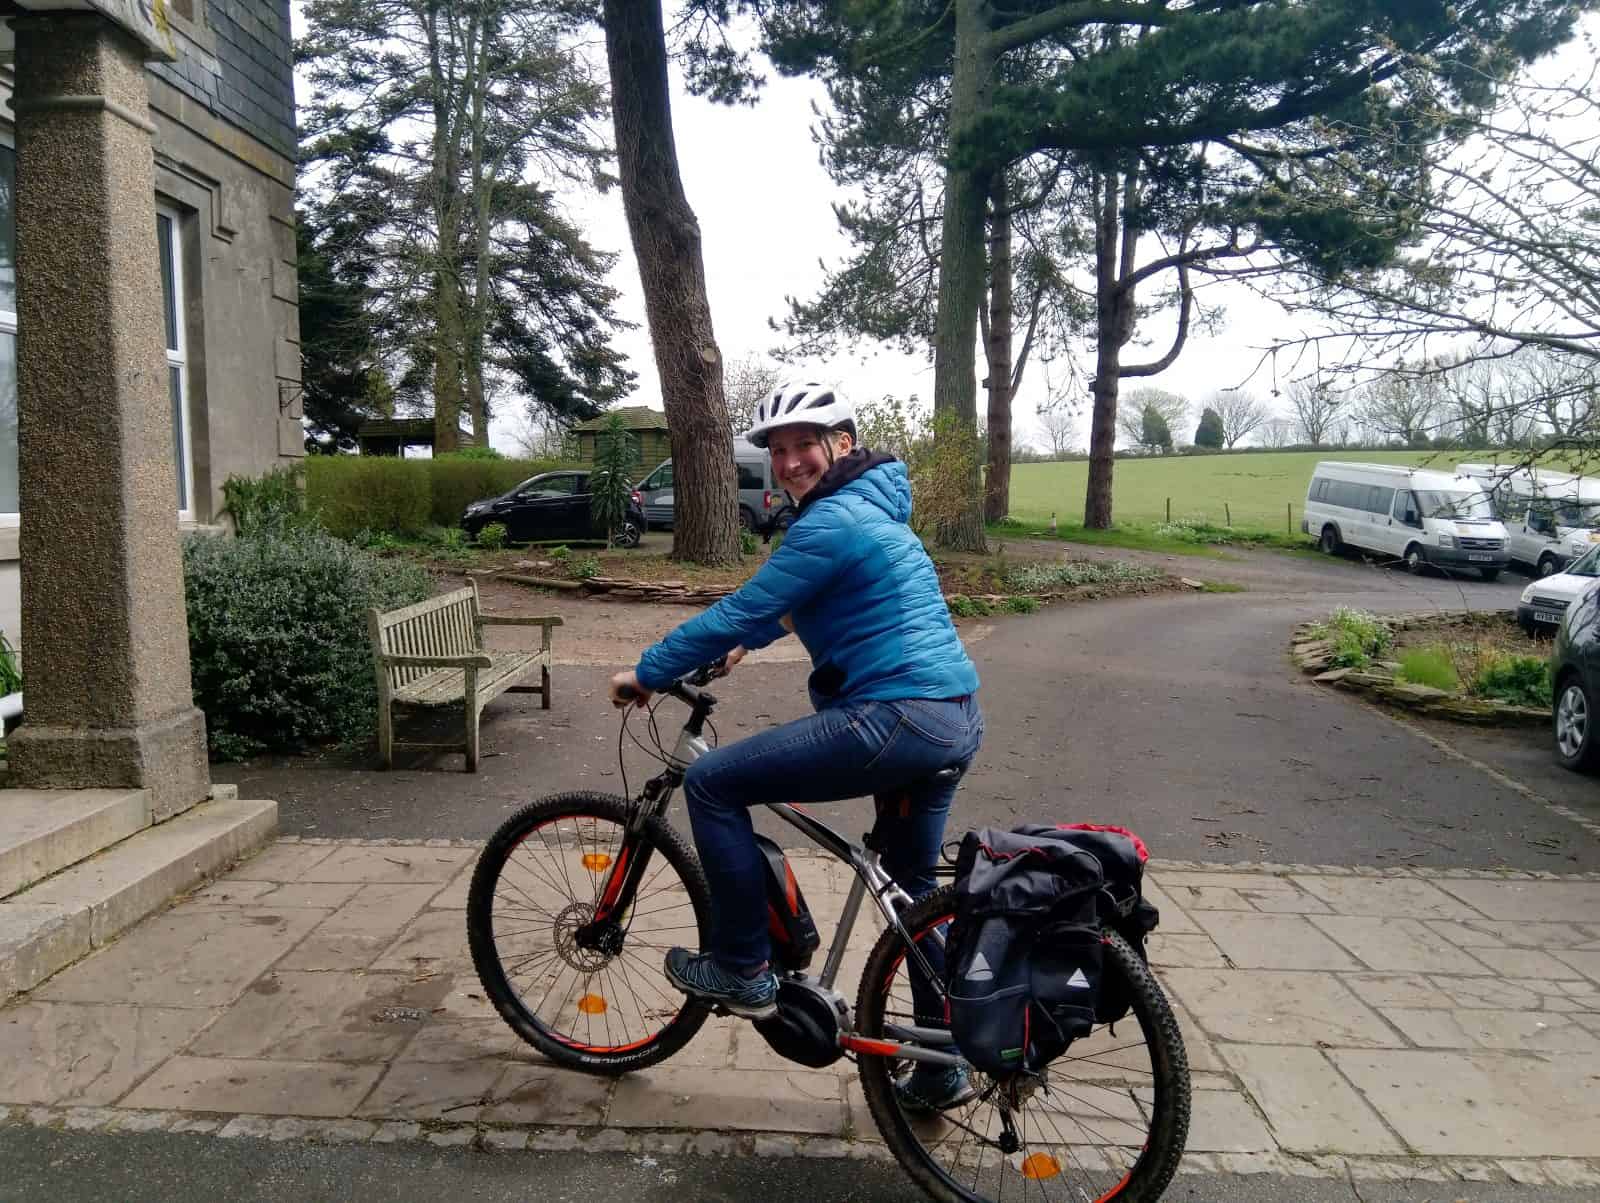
point(687, 687)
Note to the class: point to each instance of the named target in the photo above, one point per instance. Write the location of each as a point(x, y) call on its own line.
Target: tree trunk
point(997, 481)
point(447, 328)
point(666, 242)
point(483, 183)
point(961, 272)
point(1108, 357)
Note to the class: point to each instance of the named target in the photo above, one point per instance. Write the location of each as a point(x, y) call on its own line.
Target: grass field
point(1264, 491)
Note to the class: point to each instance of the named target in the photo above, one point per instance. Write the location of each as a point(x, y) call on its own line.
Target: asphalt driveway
point(1178, 715)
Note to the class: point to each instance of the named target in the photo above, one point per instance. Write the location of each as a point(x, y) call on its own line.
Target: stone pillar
point(109, 701)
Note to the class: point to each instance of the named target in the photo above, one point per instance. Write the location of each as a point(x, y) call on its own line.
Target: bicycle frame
point(628, 871)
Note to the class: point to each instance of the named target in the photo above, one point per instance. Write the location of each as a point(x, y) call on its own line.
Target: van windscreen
point(1462, 506)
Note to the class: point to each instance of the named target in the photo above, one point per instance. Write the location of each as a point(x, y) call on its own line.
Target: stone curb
point(1313, 655)
point(1553, 1171)
point(1158, 865)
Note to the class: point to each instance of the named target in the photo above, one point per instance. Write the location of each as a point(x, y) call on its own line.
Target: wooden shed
point(647, 426)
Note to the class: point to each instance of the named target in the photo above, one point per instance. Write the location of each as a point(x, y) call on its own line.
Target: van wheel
point(747, 520)
point(1330, 540)
point(1415, 562)
point(1547, 565)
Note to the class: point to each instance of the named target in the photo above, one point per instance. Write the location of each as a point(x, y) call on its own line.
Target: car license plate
point(1553, 617)
point(1476, 557)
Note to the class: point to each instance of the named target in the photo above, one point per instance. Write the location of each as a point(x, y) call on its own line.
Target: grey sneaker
point(699, 976)
point(929, 1088)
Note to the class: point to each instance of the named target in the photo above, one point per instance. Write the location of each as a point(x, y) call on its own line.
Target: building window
point(169, 237)
point(169, 240)
point(8, 335)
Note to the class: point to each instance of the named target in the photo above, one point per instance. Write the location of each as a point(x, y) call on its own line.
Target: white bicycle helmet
point(803, 403)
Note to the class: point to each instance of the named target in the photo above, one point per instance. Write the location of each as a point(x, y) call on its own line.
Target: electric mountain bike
point(578, 896)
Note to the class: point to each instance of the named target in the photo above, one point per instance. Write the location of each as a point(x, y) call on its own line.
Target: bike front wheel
point(592, 1001)
point(1106, 1120)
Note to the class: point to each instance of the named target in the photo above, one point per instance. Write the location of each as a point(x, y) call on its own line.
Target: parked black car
point(554, 505)
point(1575, 674)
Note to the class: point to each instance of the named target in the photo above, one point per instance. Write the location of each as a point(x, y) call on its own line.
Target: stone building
point(224, 146)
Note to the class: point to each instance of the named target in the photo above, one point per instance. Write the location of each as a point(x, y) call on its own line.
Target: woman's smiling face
point(800, 456)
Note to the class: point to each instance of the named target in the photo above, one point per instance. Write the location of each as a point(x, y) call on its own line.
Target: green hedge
point(278, 640)
point(352, 493)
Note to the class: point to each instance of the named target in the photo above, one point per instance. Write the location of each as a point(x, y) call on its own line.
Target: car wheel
point(1574, 724)
point(1330, 540)
point(1546, 565)
point(1415, 562)
point(629, 535)
point(747, 519)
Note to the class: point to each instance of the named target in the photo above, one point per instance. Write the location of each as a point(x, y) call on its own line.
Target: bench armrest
point(472, 661)
point(508, 620)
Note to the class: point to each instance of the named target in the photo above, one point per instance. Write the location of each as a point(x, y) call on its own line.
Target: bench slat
point(441, 686)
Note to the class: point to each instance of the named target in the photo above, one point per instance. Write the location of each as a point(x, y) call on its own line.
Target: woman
point(892, 686)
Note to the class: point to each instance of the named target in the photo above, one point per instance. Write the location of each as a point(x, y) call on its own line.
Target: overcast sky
point(764, 203)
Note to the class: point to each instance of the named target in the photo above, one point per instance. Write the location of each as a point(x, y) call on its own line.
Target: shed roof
point(634, 417)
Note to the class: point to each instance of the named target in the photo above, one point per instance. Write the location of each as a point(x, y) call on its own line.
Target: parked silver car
point(763, 506)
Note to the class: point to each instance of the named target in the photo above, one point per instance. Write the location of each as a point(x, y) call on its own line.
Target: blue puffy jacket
point(858, 586)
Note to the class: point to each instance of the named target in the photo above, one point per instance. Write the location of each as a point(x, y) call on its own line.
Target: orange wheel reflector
point(596, 861)
point(592, 1004)
point(1040, 1165)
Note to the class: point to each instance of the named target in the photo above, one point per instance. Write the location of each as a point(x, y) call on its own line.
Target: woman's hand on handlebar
point(738, 653)
point(626, 690)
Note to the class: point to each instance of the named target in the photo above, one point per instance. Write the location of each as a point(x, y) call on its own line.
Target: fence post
point(1227, 513)
point(1169, 510)
point(1288, 516)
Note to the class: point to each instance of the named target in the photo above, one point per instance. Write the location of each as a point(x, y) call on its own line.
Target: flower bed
point(1468, 666)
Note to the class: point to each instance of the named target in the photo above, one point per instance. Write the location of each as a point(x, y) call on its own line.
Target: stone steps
point(48, 926)
point(45, 831)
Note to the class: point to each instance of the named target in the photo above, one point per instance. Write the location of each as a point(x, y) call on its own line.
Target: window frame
point(8, 323)
point(178, 357)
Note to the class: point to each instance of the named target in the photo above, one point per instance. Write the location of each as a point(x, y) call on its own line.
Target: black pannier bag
point(1123, 907)
point(1024, 950)
point(789, 923)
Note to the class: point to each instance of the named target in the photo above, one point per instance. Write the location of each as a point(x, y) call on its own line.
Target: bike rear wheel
point(1106, 1120)
point(604, 1009)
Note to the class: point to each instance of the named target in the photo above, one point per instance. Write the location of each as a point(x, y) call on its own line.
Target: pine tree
point(1209, 432)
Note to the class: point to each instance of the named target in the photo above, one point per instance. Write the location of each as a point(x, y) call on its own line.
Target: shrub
point(369, 492)
point(401, 496)
point(1022, 605)
point(467, 476)
point(272, 502)
point(1428, 666)
point(493, 536)
point(472, 452)
point(560, 552)
point(1356, 637)
point(278, 639)
point(585, 568)
point(963, 606)
point(1520, 680)
point(748, 543)
point(611, 480)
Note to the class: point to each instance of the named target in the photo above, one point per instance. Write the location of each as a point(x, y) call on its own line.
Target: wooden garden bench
point(432, 654)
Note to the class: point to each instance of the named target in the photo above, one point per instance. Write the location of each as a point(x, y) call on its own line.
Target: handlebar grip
point(625, 694)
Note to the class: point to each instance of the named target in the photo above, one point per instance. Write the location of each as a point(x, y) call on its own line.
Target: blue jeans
point(848, 751)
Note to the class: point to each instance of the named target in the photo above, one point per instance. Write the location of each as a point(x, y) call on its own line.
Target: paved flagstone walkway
point(1381, 1024)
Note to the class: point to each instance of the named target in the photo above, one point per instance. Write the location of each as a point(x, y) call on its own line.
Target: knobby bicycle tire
point(1116, 1130)
point(537, 880)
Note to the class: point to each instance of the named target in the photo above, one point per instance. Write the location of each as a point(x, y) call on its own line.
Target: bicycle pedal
point(721, 1010)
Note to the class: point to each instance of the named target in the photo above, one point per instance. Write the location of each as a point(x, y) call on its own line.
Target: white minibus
point(1551, 518)
point(1417, 516)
